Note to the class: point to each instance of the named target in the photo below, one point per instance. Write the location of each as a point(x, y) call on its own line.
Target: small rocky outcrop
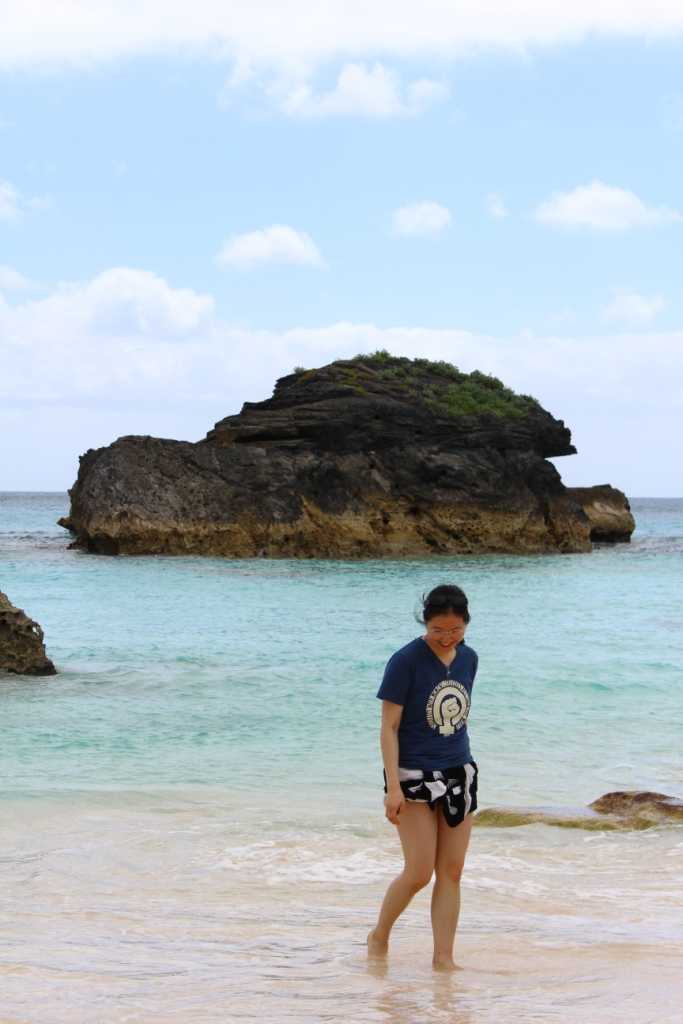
point(370, 457)
point(619, 810)
point(22, 650)
point(608, 511)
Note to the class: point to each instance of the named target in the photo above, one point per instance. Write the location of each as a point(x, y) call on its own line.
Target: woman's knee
point(451, 871)
point(417, 878)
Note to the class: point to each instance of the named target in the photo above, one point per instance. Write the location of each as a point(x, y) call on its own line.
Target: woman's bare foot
point(445, 964)
point(375, 946)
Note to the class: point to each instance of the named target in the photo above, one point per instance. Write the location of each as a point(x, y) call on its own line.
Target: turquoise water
point(177, 672)
point(191, 813)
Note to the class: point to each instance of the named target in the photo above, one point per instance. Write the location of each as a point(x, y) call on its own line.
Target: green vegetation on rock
point(443, 387)
point(494, 817)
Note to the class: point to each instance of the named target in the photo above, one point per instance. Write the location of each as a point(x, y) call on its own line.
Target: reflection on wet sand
point(132, 914)
point(429, 999)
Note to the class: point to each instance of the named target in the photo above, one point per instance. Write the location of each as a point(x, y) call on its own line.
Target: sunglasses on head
point(444, 599)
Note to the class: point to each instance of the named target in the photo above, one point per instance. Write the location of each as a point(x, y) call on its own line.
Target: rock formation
point(370, 457)
point(21, 643)
point(608, 511)
point(621, 810)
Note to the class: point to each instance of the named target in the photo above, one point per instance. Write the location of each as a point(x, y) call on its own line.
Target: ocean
point(191, 810)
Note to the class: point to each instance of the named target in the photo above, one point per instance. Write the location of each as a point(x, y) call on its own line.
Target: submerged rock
point(619, 810)
point(608, 511)
point(639, 809)
point(21, 643)
point(369, 457)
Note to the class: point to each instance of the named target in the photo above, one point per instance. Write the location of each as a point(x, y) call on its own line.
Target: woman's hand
point(394, 801)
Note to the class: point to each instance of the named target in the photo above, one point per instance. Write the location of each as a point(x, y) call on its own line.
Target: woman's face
point(445, 631)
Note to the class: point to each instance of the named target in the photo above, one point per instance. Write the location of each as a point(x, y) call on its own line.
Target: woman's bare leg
point(451, 849)
point(418, 831)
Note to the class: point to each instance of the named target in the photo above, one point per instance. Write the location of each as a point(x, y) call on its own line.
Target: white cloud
point(374, 93)
point(13, 280)
point(12, 203)
point(275, 244)
point(10, 199)
point(278, 48)
point(632, 310)
point(127, 330)
point(45, 33)
point(127, 353)
point(420, 218)
point(121, 304)
point(496, 206)
point(600, 207)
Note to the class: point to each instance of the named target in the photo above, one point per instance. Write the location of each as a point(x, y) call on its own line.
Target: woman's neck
point(446, 657)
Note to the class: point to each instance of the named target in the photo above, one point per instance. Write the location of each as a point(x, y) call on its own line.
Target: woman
point(430, 777)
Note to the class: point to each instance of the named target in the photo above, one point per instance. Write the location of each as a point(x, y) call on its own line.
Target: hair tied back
point(441, 600)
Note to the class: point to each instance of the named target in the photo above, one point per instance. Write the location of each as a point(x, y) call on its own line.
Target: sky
point(196, 197)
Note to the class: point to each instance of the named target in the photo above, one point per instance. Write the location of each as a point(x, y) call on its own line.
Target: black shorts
point(454, 788)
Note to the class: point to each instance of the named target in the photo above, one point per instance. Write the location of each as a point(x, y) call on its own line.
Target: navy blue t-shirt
point(435, 700)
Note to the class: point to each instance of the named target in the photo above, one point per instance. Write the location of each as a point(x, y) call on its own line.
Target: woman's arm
point(388, 737)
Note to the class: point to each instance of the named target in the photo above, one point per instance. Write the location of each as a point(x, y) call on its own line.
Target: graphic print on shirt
point(448, 707)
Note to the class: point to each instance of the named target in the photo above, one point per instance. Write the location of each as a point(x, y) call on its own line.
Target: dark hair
point(445, 598)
